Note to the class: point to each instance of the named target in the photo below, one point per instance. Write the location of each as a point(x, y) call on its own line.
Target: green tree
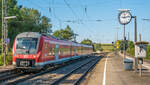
point(97, 47)
point(28, 19)
point(121, 44)
point(130, 49)
point(45, 25)
point(58, 33)
point(87, 42)
point(129, 46)
point(66, 33)
point(12, 9)
point(0, 19)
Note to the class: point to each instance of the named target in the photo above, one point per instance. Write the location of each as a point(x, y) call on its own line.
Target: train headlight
point(34, 56)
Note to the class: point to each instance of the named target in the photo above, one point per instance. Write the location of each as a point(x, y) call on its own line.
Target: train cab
point(25, 50)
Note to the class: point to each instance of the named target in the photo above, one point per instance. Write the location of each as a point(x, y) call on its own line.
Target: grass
point(107, 47)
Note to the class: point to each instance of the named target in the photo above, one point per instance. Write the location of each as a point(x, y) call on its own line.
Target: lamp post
point(5, 40)
point(5, 29)
point(10, 17)
point(135, 40)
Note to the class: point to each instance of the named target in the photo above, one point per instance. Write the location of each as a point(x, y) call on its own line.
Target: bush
point(130, 49)
point(1, 60)
point(148, 52)
point(8, 59)
point(100, 49)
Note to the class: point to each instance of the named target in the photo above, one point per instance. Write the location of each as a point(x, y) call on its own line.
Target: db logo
point(25, 56)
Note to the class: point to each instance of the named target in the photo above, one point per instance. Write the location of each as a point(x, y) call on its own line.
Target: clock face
point(125, 17)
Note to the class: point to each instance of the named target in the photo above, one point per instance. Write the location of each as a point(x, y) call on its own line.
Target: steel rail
point(31, 76)
point(86, 72)
point(38, 74)
point(5, 71)
point(68, 74)
point(4, 78)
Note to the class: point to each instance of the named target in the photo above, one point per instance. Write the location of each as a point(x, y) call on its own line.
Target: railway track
point(8, 74)
point(17, 78)
point(6, 71)
point(86, 67)
point(20, 77)
point(29, 76)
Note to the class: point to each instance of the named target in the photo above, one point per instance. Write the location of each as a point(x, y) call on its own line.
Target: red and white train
point(32, 50)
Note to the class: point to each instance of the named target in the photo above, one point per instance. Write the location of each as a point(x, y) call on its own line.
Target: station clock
point(124, 17)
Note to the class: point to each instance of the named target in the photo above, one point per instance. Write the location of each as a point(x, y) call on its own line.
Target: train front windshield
point(26, 45)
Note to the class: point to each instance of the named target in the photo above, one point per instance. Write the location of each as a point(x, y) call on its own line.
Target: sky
point(96, 20)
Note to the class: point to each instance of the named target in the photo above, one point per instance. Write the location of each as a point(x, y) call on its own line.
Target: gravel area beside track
point(6, 68)
point(95, 76)
point(48, 78)
point(75, 77)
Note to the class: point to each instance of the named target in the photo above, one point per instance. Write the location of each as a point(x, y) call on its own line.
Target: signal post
point(5, 40)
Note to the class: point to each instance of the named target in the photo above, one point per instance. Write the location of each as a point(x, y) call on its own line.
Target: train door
point(57, 55)
point(71, 49)
point(75, 50)
point(44, 52)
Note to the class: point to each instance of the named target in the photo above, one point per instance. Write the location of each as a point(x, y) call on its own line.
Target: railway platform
point(4, 68)
point(146, 63)
point(110, 71)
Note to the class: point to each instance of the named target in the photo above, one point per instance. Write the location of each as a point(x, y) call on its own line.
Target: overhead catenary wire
point(68, 5)
point(53, 12)
point(88, 18)
point(74, 13)
point(51, 8)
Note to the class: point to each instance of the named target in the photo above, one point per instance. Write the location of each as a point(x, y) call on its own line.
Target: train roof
point(55, 40)
point(29, 34)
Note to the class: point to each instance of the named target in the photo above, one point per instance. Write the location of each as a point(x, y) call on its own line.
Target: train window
point(46, 45)
point(59, 51)
point(65, 51)
point(71, 50)
point(50, 51)
point(75, 50)
point(26, 45)
point(53, 51)
point(62, 51)
point(68, 51)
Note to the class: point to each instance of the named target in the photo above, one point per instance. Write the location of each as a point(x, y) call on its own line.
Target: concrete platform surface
point(110, 71)
point(146, 63)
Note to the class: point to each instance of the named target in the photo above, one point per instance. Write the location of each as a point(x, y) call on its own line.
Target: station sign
point(7, 40)
point(140, 49)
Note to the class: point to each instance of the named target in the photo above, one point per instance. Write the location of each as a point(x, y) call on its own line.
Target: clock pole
point(135, 29)
point(124, 47)
point(124, 19)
